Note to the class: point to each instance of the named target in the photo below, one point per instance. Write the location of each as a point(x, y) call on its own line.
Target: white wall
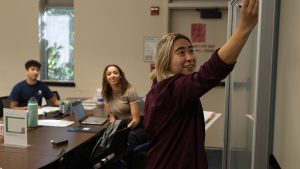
point(106, 32)
point(112, 31)
point(18, 40)
point(287, 119)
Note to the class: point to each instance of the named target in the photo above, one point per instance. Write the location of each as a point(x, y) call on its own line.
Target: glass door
point(248, 94)
point(243, 80)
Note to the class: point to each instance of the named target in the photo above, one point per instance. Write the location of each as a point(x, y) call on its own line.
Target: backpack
point(107, 136)
point(113, 141)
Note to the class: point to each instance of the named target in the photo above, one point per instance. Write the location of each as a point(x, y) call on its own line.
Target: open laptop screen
point(79, 111)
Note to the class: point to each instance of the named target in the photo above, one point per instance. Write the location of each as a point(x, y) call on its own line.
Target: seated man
point(31, 87)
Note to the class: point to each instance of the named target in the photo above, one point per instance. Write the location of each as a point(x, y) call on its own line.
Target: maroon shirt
point(174, 117)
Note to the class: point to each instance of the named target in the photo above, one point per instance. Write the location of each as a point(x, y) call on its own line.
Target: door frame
point(265, 88)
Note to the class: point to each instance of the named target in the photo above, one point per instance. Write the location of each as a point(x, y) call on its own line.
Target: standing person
point(173, 112)
point(31, 87)
point(121, 102)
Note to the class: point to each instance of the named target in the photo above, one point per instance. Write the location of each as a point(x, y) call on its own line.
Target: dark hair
point(32, 63)
point(106, 88)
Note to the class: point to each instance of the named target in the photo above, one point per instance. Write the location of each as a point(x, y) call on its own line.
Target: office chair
point(121, 155)
point(55, 94)
point(136, 157)
point(111, 156)
point(4, 103)
point(1, 109)
point(141, 105)
point(57, 163)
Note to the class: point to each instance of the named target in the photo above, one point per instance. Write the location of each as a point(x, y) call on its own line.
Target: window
point(57, 41)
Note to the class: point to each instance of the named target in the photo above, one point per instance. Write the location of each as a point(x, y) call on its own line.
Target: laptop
point(83, 117)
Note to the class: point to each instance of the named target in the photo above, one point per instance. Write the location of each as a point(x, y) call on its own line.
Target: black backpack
point(110, 145)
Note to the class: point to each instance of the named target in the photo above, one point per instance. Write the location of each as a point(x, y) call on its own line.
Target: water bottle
point(68, 109)
point(62, 107)
point(32, 112)
point(100, 100)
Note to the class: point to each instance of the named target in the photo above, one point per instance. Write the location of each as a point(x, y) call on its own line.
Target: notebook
point(83, 117)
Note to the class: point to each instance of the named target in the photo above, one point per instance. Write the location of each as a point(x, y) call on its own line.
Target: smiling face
point(182, 59)
point(32, 74)
point(113, 76)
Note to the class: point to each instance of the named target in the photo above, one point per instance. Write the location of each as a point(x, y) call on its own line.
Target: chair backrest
point(141, 105)
point(55, 94)
point(4, 103)
point(1, 109)
point(119, 141)
point(116, 135)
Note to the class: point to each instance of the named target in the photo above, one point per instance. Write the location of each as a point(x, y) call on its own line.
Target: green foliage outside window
point(55, 71)
point(59, 68)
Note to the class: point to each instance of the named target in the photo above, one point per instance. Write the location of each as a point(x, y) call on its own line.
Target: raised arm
point(248, 19)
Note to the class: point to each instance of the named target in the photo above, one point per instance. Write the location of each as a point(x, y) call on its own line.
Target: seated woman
point(121, 102)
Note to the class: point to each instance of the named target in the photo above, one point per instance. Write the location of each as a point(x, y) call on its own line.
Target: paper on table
point(89, 104)
point(91, 100)
point(54, 123)
point(208, 115)
point(89, 107)
point(47, 109)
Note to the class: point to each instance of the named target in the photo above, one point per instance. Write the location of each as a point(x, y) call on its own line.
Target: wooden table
point(41, 152)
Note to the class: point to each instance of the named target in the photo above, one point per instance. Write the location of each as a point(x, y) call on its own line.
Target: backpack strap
point(107, 135)
point(104, 141)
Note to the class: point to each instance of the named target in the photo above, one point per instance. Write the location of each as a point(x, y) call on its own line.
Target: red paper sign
point(198, 32)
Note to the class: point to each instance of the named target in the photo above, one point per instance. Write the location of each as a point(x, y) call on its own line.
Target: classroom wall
point(287, 115)
point(106, 32)
point(18, 40)
point(112, 32)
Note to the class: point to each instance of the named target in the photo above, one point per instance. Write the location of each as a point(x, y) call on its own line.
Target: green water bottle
point(32, 112)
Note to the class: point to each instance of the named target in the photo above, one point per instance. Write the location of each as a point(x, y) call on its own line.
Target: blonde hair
point(163, 56)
